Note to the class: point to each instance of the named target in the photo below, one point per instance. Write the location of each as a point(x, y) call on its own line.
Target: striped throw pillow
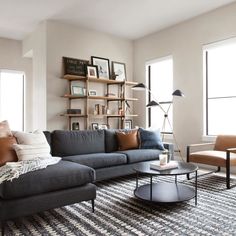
point(30, 152)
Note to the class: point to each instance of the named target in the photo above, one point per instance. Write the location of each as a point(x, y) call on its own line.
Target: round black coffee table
point(163, 192)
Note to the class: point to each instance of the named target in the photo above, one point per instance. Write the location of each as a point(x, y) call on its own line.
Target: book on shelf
point(170, 165)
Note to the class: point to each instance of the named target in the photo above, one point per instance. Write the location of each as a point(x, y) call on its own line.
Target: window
point(12, 98)
point(160, 82)
point(220, 88)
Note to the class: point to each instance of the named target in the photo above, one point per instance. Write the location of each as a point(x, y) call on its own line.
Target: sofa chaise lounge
point(87, 156)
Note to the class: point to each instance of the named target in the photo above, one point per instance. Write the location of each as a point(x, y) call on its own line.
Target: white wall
point(184, 41)
point(71, 41)
point(34, 46)
point(11, 59)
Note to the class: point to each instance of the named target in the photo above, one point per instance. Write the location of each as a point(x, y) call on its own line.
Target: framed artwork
point(128, 124)
point(75, 126)
point(103, 66)
point(92, 71)
point(73, 66)
point(92, 92)
point(94, 126)
point(77, 90)
point(118, 71)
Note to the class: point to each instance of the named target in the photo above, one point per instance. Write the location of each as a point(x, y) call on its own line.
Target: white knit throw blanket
point(12, 170)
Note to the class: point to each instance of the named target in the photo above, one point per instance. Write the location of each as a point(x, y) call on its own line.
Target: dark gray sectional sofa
point(87, 156)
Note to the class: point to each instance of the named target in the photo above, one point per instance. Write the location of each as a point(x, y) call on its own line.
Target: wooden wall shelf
point(120, 101)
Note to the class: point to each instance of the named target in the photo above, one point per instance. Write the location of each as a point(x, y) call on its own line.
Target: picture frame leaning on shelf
point(119, 71)
point(103, 65)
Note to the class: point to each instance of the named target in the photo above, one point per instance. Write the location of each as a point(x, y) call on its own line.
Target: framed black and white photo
point(92, 71)
point(77, 90)
point(103, 66)
point(73, 66)
point(92, 93)
point(128, 124)
point(118, 71)
point(75, 126)
point(94, 126)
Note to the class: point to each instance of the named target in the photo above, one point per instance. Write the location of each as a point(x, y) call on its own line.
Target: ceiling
point(130, 19)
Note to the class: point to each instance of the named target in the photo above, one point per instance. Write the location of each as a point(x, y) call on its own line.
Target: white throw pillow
point(31, 145)
point(36, 137)
point(30, 152)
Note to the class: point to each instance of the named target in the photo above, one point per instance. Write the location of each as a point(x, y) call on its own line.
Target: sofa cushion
point(127, 139)
point(111, 140)
point(48, 136)
point(138, 155)
point(69, 143)
point(62, 175)
point(99, 160)
point(150, 139)
point(7, 153)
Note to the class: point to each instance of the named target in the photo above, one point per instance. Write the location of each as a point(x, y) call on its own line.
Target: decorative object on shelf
point(103, 126)
point(74, 111)
point(73, 66)
point(127, 108)
point(92, 71)
point(94, 126)
point(118, 71)
point(100, 109)
point(92, 93)
point(152, 103)
point(103, 66)
point(128, 124)
point(77, 90)
point(75, 126)
point(120, 111)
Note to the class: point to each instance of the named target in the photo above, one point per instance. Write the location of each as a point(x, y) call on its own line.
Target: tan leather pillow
point(7, 153)
point(5, 129)
point(127, 140)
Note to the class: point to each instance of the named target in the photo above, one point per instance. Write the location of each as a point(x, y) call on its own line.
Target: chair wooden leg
point(188, 152)
point(93, 205)
point(227, 175)
point(188, 176)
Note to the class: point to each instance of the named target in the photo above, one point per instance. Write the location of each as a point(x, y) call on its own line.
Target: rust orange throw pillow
point(7, 153)
point(127, 140)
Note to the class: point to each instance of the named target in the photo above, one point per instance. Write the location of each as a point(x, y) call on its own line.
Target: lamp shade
point(152, 104)
point(178, 93)
point(139, 86)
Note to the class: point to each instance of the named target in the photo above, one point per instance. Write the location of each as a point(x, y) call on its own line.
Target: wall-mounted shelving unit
point(87, 116)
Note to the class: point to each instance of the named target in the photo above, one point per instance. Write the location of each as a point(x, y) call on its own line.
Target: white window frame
point(148, 95)
point(24, 86)
point(207, 137)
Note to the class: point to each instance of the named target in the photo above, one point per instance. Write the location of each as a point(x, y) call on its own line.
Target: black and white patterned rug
point(118, 212)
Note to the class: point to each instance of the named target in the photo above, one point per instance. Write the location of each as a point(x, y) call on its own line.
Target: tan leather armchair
point(222, 155)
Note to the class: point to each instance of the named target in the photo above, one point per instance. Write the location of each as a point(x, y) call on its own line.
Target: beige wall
point(11, 59)
point(185, 41)
point(70, 41)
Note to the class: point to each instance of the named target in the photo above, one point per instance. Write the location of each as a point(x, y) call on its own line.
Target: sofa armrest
point(170, 148)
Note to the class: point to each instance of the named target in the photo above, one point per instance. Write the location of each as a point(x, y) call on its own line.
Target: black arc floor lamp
point(153, 103)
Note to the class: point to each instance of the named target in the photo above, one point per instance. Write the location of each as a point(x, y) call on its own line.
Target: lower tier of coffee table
point(165, 192)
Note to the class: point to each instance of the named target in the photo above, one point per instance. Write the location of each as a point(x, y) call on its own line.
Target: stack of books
point(170, 165)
